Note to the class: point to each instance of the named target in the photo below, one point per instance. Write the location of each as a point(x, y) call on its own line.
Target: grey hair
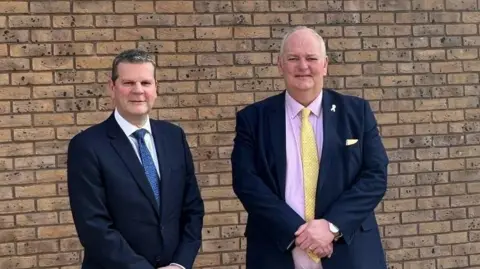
point(131, 56)
point(323, 50)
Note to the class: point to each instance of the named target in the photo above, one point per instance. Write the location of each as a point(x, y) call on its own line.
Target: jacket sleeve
point(94, 225)
point(279, 220)
point(192, 215)
point(357, 203)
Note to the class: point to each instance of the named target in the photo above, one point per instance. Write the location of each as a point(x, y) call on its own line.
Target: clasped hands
point(315, 236)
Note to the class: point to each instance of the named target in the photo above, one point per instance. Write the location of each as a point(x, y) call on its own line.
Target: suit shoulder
point(89, 137)
point(260, 106)
point(350, 102)
point(168, 126)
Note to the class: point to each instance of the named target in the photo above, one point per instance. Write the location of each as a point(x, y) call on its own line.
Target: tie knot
point(305, 113)
point(139, 134)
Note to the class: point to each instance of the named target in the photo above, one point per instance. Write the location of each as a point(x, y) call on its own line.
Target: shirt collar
point(295, 107)
point(129, 128)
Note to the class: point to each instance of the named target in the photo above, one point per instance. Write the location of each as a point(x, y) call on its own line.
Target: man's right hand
point(315, 236)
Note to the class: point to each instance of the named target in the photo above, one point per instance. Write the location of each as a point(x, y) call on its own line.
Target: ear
point(325, 66)
point(111, 87)
point(280, 65)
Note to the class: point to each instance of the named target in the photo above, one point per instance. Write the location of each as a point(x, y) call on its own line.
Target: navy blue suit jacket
point(114, 210)
point(352, 181)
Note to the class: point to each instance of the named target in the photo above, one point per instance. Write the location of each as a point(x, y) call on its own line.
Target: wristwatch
point(335, 231)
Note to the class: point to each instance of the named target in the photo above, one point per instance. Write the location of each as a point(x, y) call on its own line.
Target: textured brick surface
point(416, 61)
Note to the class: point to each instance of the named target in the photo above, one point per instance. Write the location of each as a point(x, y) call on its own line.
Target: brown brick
point(72, 21)
point(381, 43)
point(59, 259)
point(251, 32)
point(93, 34)
point(73, 49)
point(215, 86)
point(133, 7)
point(16, 149)
point(462, 5)
point(417, 216)
point(67, 77)
point(344, 43)
point(18, 262)
point(132, 34)
point(176, 87)
point(270, 19)
point(38, 21)
point(93, 7)
point(234, 45)
point(52, 63)
point(401, 255)
point(51, 35)
point(250, 6)
point(14, 64)
point(14, 7)
point(418, 241)
point(43, 246)
point(464, 29)
point(235, 72)
point(361, 56)
point(14, 36)
point(222, 245)
point(33, 134)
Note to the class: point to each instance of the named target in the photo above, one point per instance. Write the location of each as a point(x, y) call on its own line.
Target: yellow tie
point(310, 170)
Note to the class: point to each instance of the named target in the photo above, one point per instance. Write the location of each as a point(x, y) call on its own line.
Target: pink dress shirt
point(294, 193)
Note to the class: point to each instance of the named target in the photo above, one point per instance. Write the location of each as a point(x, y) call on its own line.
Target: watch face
point(333, 229)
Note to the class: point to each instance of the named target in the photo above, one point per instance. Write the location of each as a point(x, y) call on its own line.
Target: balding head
point(302, 31)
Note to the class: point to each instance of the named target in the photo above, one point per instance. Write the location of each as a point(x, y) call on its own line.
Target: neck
point(138, 121)
point(305, 97)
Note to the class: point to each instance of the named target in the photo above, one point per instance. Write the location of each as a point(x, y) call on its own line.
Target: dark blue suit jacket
point(114, 210)
point(352, 181)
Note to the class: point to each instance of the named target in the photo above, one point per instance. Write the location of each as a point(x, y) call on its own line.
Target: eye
point(128, 83)
point(146, 83)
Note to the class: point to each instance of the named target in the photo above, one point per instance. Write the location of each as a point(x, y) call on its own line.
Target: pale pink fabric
point(294, 193)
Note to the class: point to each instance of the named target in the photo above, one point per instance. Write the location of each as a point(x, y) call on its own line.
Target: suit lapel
point(330, 119)
point(276, 120)
point(124, 149)
point(162, 147)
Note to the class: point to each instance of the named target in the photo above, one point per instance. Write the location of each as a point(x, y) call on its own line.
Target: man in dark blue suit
point(309, 167)
point(131, 180)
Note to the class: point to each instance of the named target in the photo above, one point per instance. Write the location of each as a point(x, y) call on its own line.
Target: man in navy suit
point(309, 167)
point(133, 191)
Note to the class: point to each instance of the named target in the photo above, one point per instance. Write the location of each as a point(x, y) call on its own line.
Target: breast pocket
point(353, 157)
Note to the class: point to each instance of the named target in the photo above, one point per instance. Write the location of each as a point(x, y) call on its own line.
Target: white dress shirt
point(129, 129)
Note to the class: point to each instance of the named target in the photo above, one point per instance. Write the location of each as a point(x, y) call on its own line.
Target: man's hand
point(315, 236)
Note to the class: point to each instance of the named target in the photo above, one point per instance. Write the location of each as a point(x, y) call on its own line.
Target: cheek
point(151, 94)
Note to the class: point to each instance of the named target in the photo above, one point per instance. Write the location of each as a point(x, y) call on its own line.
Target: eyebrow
point(308, 55)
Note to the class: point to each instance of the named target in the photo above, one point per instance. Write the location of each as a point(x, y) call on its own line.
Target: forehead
point(302, 42)
point(136, 70)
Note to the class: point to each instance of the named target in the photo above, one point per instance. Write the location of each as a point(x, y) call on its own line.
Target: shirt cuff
point(178, 265)
point(291, 245)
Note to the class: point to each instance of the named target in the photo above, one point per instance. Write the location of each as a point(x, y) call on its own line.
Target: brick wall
point(417, 61)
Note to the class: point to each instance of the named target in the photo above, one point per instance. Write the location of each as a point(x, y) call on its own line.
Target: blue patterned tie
point(148, 164)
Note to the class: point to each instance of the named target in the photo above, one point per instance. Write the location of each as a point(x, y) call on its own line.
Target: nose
point(137, 87)
point(302, 64)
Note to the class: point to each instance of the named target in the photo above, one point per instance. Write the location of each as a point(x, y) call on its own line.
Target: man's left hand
point(314, 235)
point(170, 267)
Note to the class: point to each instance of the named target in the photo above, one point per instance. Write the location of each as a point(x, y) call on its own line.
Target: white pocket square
point(351, 142)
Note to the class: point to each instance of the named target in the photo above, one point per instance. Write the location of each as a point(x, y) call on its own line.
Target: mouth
point(302, 76)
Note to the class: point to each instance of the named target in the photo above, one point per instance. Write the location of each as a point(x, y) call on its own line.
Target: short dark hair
point(131, 56)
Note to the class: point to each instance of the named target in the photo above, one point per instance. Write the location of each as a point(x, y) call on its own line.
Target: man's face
point(302, 64)
point(134, 92)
